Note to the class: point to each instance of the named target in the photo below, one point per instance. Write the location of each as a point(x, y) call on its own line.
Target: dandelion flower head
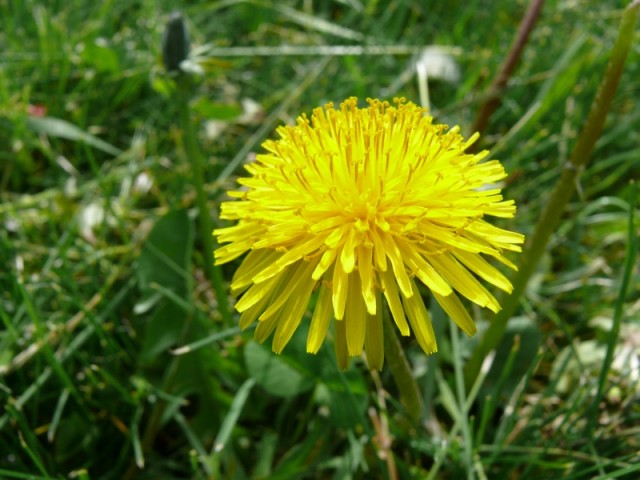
point(360, 206)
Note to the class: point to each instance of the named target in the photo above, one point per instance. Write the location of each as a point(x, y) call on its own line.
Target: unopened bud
point(175, 43)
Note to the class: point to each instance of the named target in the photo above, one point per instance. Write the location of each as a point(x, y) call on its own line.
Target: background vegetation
point(102, 278)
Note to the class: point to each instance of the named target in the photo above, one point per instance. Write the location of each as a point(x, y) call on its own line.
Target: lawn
point(121, 355)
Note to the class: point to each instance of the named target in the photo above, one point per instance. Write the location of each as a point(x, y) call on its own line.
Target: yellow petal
point(239, 232)
point(365, 268)
point(374, 341)
point(293, 311)
point(251, 314)
point(295, 278)
point(320, 320)
point(231, 251)
point(253, 263)
point(348, 255)
point(265, 328)
point(420, 321)
point(423, 270)
point(355, 317)
point(342, 355)
point(452, 305)
point(482, 268)
point(379, 255)
point(505, 238)
point(326, 261)
point(390, 290)
point(465, 283)
point(301, 250)
point(257, 292)
point(340, 288)
point(398, 266)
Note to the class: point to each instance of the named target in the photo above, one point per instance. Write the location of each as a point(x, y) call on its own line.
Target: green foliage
point(114, 361)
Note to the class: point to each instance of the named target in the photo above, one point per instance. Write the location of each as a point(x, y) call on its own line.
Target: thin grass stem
point(614, 334)
point(194, 155)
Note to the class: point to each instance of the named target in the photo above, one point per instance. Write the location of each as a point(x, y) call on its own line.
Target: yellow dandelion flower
point(357, 204)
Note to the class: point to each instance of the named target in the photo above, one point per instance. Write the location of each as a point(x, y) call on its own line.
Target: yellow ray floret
point(357, 204)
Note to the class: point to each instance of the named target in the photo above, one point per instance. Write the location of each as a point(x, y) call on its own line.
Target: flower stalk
point(507, 68)
point(192, 151)
point(562, 193)
point(401, 370)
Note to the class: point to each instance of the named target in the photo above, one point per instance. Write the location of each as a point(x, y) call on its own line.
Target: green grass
point(103, 277)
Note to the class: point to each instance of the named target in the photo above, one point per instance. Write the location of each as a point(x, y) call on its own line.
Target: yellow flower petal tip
point(356, 204)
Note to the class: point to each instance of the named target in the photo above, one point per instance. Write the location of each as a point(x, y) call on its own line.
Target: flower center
point(365, 216)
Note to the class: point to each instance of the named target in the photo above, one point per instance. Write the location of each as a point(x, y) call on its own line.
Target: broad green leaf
point(277, 374)
point(163, 272)
point(346, 400)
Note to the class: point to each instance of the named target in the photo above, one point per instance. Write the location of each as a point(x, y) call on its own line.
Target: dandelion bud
point(175, 43)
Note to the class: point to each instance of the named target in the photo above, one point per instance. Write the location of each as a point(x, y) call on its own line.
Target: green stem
point(507, 68)
point(206, 226)
point(552, 213)
point(401, 371)
point(461, 394)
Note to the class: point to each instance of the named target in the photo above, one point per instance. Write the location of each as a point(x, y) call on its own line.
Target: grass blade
point(231, 419)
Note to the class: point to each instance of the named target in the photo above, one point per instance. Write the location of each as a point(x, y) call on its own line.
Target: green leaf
point(101, 57)
point(165, 256)
point(346, 400)
point(530, 338)
point(56, 127)
point(302, 457)
point(163, 276)
point(278, 375)
point(217, 111)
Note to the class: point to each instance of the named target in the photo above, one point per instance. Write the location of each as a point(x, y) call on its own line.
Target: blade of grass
point(57, 127)
point(29, 444)
point(462, 400)
point(57, 414)
point(309, 21)
point(53, 362)
point(618, 313)
point(230, 420)
point(326, 50)
point(22, 475)
point(203, 342)
point(134, 433)
point(491, 402)
point(195, 442)
point(473, 393)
